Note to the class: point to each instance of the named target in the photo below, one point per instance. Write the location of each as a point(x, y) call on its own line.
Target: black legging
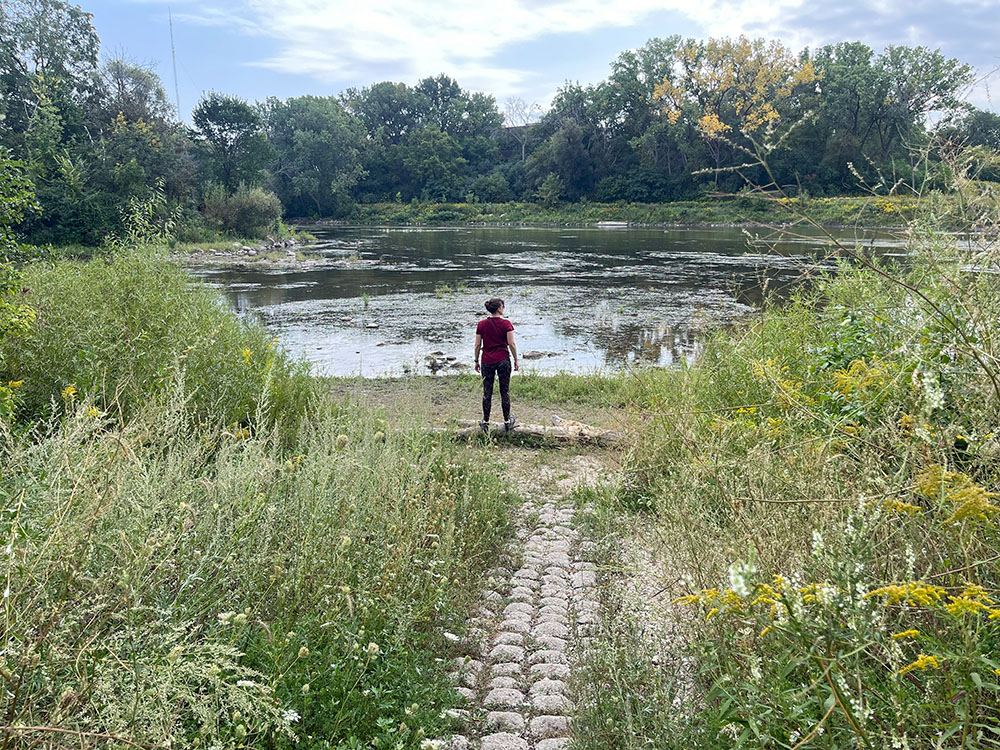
point(502, 370)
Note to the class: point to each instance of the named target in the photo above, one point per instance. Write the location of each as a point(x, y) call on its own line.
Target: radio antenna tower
point(173, 59)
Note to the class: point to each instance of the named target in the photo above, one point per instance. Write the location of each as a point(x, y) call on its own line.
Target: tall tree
point(233, 132)
point(130, 89)
point(435, 163)
point(521, 117)
point(43, 43)
point(389, 111)
point(318, 153)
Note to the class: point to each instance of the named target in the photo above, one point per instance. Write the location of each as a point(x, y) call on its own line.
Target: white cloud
point(336, 41)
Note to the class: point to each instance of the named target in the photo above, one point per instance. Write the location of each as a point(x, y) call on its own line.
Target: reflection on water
point(375, 300)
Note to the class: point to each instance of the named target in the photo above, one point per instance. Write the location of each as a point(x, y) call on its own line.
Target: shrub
point(491, 188)
point(248, 212)
point(117, 331)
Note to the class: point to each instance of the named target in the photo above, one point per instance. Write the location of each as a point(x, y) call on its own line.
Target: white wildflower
point(817, 543)
point(738, 573)
point(290, 715)
point(933, 395)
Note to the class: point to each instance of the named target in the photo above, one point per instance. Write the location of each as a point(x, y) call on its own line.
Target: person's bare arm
point(512, 347)
point(479, 345)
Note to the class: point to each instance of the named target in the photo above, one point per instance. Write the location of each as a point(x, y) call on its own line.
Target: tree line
point(673, 120)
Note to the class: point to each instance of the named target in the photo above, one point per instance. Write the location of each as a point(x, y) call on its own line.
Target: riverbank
point(219, 249)
point(801, 529)
point(848, 211)
point(182, 493)
point(822, 475)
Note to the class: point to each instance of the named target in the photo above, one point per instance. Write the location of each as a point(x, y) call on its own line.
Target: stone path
point(528, 635)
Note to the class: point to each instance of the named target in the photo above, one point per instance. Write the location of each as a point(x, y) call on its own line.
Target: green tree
point(551, 190)
point(318, 154)
point(48, 41)
point(435, 164)
point(130, 89)
point(566, 155)
point(871, 106)
point(389, 111)
point(233, 133)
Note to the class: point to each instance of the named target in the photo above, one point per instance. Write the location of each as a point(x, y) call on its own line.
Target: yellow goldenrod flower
point(907, 423)
point(689, 599)
point(14, 384)
point(913, 593)
point(246, 354)
point(922, 662)
point(69, 392)
point(970, 500)
point(911, 633)
point(898, 506)
point(960, 605)
point(973, 502)
point(858, 377)
point(711, 613)
point(972, 601)
point(93, 412)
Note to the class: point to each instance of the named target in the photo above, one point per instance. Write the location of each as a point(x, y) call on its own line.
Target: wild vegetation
point(95, 134)
point(157, 457)
point(822, 486)
point(202, 548)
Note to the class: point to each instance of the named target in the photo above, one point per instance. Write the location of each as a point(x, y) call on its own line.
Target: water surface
point(377, 300)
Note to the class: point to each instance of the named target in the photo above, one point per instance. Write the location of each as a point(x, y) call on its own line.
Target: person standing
point(495, 339)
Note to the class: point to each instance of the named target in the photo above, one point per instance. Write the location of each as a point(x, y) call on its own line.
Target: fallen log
point(563, 430)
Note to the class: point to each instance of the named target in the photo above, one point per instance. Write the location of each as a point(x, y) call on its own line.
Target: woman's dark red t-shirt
point(494, 333)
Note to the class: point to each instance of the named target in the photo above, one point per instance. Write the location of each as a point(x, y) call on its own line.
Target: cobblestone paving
point(528, 635)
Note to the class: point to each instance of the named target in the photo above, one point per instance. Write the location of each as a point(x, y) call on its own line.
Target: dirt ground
point(440, 400)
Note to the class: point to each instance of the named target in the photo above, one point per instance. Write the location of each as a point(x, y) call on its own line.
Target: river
point(398, 300)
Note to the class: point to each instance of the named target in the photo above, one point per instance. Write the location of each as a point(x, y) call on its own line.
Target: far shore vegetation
point(658, 141)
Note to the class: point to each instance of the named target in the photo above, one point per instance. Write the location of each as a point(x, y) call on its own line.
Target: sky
point(508, 48)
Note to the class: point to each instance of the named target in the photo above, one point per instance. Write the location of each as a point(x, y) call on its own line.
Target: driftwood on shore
point(563, 430)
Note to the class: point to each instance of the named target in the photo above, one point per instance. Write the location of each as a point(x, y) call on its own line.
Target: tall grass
point(117, 330)
point(174, 579)
point(826, 481)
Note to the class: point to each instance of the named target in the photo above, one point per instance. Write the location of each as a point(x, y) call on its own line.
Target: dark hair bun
point(494, 304)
